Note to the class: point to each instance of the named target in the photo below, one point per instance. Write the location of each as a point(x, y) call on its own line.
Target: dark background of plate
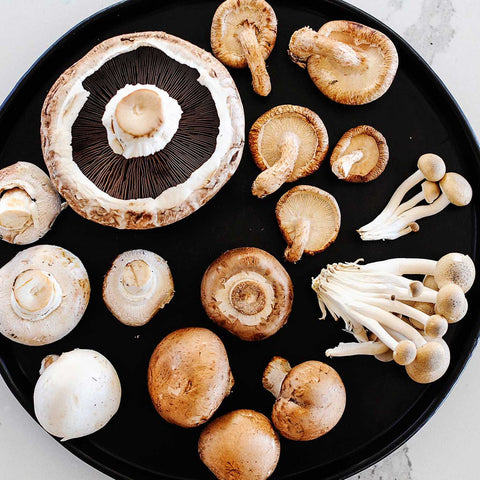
point(384, 407)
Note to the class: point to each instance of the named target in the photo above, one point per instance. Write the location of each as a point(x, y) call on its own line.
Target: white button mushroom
point(77, 393)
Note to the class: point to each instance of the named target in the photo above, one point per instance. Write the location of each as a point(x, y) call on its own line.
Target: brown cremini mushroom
point(243, 34)
point(350, 63)
point(189, 376)
point(309, 219)
point(288, 142)
point(361, 155)
point(241, 445)
point(310, 398)
point(247, 292)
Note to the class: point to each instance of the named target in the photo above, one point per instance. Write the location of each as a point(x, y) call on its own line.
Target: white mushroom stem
point(271, 179)
point(354, 348)
point(341, 168)
point(16, 209)
point(138, 280)
point(430, 192)
point(294, 252)
point(403, 266)
point(256, 62)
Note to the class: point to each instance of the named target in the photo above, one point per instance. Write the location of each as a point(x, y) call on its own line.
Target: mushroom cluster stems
point(256, 63)
point(271, 179)
point(398, 219)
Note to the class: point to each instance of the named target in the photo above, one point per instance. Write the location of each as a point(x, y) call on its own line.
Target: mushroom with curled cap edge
point(189, 376)
point(29, 204)
point(76, 394)
point(243, 34)
point(350, 63)
point(248, 292)
point(310, 398)
point(361, 155)
point(288, 142)
point(142, 131)
point(309, 219)
point(241, 445)
point(44, 293)
point(138, 284)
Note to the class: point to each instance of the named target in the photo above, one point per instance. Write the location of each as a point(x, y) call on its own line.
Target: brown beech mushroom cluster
point(310, 398)
point(439, 189)
point(309, 219)
point(288, 142)
point(138, 284)
point(247, 292)
point(29, 204)
point(189, 376)
point(385, 311)
point(361, 155)
point(243, 35)
point(240, 445)
point(350, 63)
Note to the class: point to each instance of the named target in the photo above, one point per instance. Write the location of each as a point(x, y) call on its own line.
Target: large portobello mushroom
point(142, 131)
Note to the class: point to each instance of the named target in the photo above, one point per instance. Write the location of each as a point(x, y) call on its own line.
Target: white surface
point(446, 33)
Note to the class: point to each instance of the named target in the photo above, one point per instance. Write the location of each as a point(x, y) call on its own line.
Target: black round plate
point(384, 407)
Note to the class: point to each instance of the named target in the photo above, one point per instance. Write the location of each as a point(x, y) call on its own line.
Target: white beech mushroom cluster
point(398, 219)
point(385, 311)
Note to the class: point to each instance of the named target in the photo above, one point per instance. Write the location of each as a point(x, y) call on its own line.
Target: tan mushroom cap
point(355, 85)
point(266, 134)
point(138, 284)
point(305, 203)
point(189, 376)
point(248, 292)
point(241, 445)
point(29, 204)
point(432, 166)
point(431, 362)
point(455, 268)
point(361, 155)
point(456, 188)
point(451, 303)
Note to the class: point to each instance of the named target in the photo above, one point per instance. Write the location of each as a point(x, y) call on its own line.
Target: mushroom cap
point(432, 166)
point(274, 374)
point(456, 188)
point(189, 376)
point(436, 326)
point(312, 204)
point(355, 85)
point(230, 17)
point(311, 401)
point(431, 362)
point(375, 152)
point(204, 161)
point(455, 268)
point(248, 292)
point(241, 445)
point(43, 263)
point(266, 134)
point(405, 352)
point(431, 191)
point(138, 284)
point(451, 303)
point(44, 202)
point(77, 394)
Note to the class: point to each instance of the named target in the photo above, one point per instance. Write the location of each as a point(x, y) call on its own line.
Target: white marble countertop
point(446, 33)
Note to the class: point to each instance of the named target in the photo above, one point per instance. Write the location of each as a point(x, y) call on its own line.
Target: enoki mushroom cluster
point(394, 317)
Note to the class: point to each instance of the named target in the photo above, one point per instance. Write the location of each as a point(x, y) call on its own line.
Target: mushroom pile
point(439, 189)
point(385, 311)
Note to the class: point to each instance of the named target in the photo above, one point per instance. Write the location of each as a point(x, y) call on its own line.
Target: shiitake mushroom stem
point(341, 168)
point(294, 251)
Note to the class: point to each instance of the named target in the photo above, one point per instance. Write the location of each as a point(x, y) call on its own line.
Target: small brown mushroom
point(241, 445)
point(243, 34)
point(431, 362)
point(451, 303)
point(189, 376)
point(350, 63)
point(455, 268)
point(247, 292)
point(309, 219)
point(288, 142)
point(310, 397)
point(361, 155)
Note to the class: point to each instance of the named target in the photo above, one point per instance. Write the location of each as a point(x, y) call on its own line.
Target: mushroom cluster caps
point(243, 35)
point(138, 284)
point(241, 445)
point(29, 204)
point(44, 293)
point(288, 142)
point(309, 219)
point(248, 292)
point(189, 376)
point(361, 155)
point(142, 131)
point(310, 398)
point(76, 394)
point(350, 63)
